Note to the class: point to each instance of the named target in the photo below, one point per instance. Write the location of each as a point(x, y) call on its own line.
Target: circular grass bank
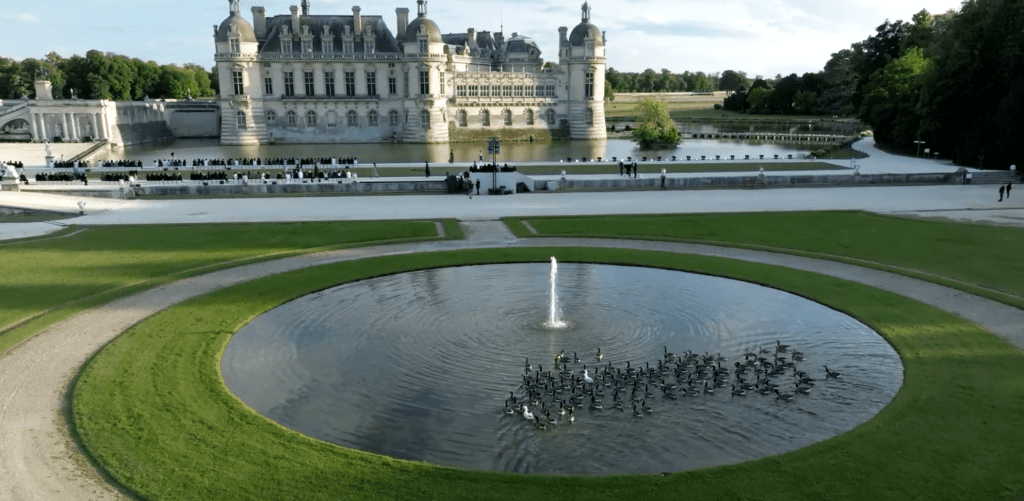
point(151, 408)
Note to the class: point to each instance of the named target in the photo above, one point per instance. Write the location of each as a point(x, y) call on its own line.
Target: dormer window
point(348, 47)
point(369, 47)
point(286, 46)
point(234, 46)
point(424, 46)
point(328, 47)
point(307, 46)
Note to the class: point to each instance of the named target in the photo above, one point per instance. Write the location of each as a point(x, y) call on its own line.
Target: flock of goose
point(549, 397)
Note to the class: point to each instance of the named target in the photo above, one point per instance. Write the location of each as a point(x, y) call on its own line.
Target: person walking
point(1001, 188)
point(477, 186)
point(663, 179)
point(427, 170)
point(622, 167)
point(1008, 185)
point(636, 167)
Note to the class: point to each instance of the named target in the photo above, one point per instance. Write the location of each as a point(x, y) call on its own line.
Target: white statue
point(48, 152)
point(10, 173)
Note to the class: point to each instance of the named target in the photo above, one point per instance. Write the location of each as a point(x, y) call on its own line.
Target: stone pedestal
point(49, 161)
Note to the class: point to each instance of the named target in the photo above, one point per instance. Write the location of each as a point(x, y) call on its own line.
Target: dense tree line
point(665, 81)
point(104, 76)
point(953, 80)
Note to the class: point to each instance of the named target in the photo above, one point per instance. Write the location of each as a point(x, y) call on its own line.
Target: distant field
point(624, 105)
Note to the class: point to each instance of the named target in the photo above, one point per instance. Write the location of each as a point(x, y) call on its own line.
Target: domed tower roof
point(413, 30)
point(234, 25)
point(585, 28)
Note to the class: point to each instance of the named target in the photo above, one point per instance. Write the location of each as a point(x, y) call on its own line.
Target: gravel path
point(39, 461)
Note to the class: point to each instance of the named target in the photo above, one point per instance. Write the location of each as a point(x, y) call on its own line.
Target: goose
point(636, 413)
point(646, 408)
point(575, 359)
point(785, 397)
point(737, 392)
point(668, 355)
point(832, 374)
point(571, 416)
point(708, 389)
point(805, 390)
point(586, 377)
point(779, 347)
point(561, 408)
point(599, 355)
point(539, 424)
point(596, 404)
point(527, 415)
point(527, 367)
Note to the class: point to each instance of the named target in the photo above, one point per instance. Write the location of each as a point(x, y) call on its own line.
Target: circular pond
point(421, 366)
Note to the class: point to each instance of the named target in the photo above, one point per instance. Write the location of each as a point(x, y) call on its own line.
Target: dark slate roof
point(433, 32)
point(384, 42)
point(484, 39)
point(522, 45)
point(579, 33)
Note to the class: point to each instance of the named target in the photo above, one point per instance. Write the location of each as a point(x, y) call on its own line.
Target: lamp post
point(919, 143)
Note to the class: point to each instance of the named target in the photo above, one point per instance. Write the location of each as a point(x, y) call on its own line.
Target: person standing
point(1008, 185)
point(663, 179)
point(636, 167)
point(622, 167)
point(1001, 188)
point(478, 186)
point(427, 169)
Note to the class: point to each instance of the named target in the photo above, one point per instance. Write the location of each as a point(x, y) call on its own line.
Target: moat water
point(421, 366)
point(511, 152)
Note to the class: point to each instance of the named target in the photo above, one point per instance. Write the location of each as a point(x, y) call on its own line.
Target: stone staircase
point(995, 177)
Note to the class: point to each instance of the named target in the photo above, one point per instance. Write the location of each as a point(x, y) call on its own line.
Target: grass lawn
point(33, 217)
point(152, 410)
point(981, 259)
point(48, 279)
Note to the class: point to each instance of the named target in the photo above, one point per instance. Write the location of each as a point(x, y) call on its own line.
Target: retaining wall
point(214, 188)
point(754, 181)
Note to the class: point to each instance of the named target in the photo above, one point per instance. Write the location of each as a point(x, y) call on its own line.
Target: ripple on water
point(418, 366)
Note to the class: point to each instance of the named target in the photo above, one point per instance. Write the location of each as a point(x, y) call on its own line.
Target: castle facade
point(303, 78)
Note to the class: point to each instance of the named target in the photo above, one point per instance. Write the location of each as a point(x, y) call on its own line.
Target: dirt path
point(39, 460)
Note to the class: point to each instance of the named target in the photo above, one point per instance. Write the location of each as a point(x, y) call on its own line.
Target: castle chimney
point(403, 21)
point(357, 21)
point(563, 39)
point(295, 21)
point(472, 38)
point(421, 8)
point(259, 22)
point(305, 7)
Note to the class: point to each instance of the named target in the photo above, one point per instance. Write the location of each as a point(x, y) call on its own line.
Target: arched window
point(293, 118)
point(485, 118)
point(425, 118)
point(371, 118)
point(351, 118)
point(393, 117)
point(507, 116)
point(311, 118)
point(240, 119)
point(461, 117)
point(271, 117)
point(529, 117)
point(550, 114)
point(590, 116)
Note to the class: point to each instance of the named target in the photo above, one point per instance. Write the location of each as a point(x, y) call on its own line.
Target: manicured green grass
point(152, 409)
point(981, 259)
point(48, 279)
point(34, 217)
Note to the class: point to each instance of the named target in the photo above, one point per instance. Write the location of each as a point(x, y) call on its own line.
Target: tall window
point(485, 91)
point(393, 86)
point(495, 91)
point(461, 116)
point(236, 81)
point(519, 91)
point(424, 82)
point(440, 79)
point(460, 91)
point(393, 117)
point(550, 114)
point(293, 118)
point(506, 91)
point(529, 117)
point(286, 46)
point(240, 119)
point(473, 90)
point(369, 47)
point(307, 46)
point(329, 83)
point(371, 118)
point(371, 83)
point(271, 117)
point(347, 47)
point(424, 46)
point(507, 115)
point(311, 118)
point(350, 83)
point(351, 118)
point(289, 83)
point(235, 48)
point(268, 86)
point(425, 119)
point(307, 79)
point(327, 46)
point(485, 118)
point(590, 85)
point(529, 91)
point(590, 116)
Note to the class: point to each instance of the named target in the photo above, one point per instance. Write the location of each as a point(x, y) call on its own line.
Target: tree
point(890, 106)
point(731, 80)
point(654, 126)
point(757, 97)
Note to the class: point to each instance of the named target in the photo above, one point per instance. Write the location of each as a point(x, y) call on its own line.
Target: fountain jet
point(554, 318)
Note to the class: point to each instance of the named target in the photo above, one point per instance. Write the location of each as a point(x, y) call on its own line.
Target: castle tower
point(586, 66)
point(241, 96)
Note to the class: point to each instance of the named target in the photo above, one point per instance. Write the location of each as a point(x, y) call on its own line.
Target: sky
point(759, 37)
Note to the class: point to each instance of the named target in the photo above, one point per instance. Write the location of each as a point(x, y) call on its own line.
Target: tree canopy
point(101, 75)
point(654, 126)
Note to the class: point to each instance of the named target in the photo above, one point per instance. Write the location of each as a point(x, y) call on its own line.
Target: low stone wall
point(754, 181)
point(214, 188)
